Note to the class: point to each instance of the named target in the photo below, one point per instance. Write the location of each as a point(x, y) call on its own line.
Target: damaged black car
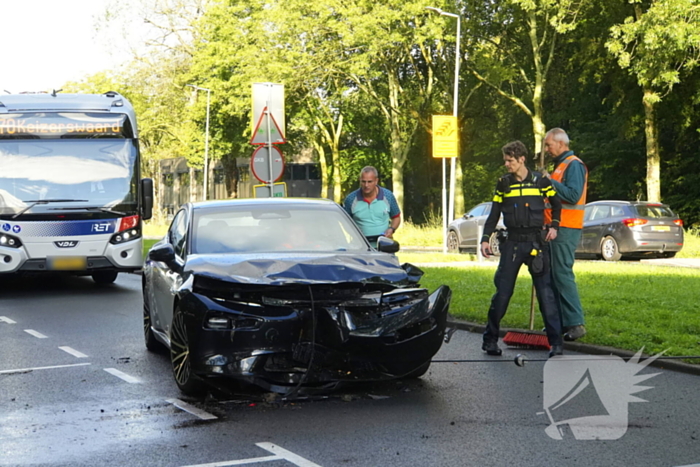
point(285, 294)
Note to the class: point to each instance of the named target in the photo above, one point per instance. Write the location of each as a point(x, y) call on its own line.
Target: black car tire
point(104, 277)
point(187, 381)
point(494, 244)
point(418, 372)
point(452, 242)
point(669, 254)
point(609, 249)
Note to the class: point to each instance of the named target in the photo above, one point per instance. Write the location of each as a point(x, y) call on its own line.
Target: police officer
point(520, 196)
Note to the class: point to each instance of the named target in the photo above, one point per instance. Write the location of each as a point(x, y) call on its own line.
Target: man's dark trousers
point(513, 256)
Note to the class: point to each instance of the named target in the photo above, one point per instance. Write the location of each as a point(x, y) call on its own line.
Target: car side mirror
point(146, 198)
point(387, 245)
point(165, 254)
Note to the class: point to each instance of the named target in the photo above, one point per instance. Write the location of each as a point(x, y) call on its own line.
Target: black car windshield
point(250, 229)
point(654, 211)
point(96, 172)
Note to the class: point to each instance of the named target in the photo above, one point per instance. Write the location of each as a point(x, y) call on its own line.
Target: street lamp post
point(206, 142)
point(453, 162)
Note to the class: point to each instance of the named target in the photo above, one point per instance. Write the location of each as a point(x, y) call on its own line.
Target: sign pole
point(444, 205)
point(271, 182)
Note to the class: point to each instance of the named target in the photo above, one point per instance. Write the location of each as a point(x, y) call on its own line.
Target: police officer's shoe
point(574, 332)
point(556, 350)
point(492, 348)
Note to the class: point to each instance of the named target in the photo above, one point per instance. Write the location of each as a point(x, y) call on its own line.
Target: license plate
point(661, 228)
point(67, 263)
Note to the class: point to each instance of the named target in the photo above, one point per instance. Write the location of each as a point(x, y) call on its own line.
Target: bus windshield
point(93, 173)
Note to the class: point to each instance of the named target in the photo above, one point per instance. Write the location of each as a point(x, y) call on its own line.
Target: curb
point(673, 365)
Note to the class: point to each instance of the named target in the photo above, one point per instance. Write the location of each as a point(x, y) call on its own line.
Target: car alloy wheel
point(609, 249)
point(494, 244)
point(180, 357)
point(452, 242)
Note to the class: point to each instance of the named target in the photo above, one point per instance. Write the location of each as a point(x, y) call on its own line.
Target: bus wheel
point(104, 277)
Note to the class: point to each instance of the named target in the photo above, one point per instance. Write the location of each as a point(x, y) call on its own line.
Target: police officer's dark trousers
point(513, 255)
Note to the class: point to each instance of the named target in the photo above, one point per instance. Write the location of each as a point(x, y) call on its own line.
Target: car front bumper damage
point(315, 336)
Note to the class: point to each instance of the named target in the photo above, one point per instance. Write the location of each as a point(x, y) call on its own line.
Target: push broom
point(529, 339)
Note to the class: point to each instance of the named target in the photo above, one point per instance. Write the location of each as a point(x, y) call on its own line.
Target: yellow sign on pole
point(445, 136)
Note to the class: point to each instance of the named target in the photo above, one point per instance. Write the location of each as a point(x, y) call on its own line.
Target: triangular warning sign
point(260, 134)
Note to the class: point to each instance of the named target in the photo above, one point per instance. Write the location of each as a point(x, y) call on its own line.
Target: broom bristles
point(526, 340)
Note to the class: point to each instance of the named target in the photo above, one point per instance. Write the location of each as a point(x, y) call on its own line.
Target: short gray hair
point(369, 169)
point(558, 135)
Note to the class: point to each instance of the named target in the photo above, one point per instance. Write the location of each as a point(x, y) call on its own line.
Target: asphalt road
point(78, 388)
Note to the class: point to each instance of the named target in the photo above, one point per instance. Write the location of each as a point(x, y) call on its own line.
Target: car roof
point(270, 202)
point(626, 203)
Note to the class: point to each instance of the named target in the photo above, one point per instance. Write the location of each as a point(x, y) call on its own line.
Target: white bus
point(71, 194)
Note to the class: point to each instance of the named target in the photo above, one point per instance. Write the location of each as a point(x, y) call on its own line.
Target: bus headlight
point(126, 236)
point(10, 241)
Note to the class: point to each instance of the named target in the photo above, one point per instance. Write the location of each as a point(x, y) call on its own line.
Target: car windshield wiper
point(46, 201)
point(91, 208)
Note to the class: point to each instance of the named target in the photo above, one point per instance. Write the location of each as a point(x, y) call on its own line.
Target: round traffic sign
point(260, 164)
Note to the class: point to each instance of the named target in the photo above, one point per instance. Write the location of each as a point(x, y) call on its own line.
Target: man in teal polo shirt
point(373, 207)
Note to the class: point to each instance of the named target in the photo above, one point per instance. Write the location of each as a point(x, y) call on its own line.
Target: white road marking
point(124, 376)
point(252, 460)
point(287, 455)
point(73, 352)
point(192, 409)
point(36, 334)
point(23, 370)
point(7, 320)
point(280, 454)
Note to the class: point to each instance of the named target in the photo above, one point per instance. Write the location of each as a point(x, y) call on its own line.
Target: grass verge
point(627, 306)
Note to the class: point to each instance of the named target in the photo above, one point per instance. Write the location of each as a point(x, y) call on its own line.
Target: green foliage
point(362, 79)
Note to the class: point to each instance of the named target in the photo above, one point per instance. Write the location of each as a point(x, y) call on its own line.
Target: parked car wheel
point(104, 277)
point(180, 357)
point(452, 242)
point(669, 254)
point(609, 250)
point(494, 244)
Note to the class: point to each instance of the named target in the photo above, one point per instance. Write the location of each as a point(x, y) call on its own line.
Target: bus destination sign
point(58, 125)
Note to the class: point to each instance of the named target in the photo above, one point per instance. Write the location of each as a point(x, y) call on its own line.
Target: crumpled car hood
point(287, 268)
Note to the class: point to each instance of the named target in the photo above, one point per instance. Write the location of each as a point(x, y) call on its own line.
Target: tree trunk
point(335, 161)
point(324, 168)
point(337, 179)
point(653, 157)
point(537, 107)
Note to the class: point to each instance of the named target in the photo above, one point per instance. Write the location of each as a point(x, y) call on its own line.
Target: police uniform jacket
point(522, 204)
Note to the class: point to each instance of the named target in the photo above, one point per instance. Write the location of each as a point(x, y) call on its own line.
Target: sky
point(50, 42)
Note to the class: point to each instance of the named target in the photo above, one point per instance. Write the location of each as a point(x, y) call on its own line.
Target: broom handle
point(532, 308)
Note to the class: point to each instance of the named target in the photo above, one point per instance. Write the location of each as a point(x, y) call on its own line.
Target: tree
point(656, 46)
point(514, 46)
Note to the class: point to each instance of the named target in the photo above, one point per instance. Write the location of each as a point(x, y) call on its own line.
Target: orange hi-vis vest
point(571, 214)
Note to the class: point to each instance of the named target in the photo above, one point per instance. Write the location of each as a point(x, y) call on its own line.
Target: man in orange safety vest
point(569, 179)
